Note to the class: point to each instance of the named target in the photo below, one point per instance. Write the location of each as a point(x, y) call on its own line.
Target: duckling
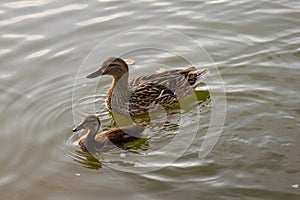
point(143, 94)
point(101, 142)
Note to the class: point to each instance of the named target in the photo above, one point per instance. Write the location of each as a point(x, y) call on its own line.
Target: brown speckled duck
point(94, 142)
point(143, 94)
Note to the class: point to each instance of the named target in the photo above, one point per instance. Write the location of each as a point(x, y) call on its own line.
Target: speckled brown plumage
point(145, 93)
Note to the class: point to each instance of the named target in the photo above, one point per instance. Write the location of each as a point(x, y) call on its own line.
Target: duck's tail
point(201, 76)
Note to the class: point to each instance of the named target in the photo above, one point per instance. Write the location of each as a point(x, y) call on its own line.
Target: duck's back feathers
point(147, 95)
point(164, 88)
point(120, 137)
point(177, 80)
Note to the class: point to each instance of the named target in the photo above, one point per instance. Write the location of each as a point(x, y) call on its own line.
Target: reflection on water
point(88, 160)
point(255, 46)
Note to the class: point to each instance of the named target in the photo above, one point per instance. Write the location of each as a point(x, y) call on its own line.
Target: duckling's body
point(144, 93)
point(107, 140)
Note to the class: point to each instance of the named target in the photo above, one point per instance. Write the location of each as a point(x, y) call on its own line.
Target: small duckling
point(107, 140)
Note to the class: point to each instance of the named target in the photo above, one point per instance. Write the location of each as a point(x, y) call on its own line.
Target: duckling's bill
point(79, 127)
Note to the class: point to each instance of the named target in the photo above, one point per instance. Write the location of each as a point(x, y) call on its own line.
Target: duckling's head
point(90, 122)
point(113, 66)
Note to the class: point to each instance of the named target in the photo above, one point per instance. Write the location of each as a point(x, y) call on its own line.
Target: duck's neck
point(90, 139)
point(118, 96)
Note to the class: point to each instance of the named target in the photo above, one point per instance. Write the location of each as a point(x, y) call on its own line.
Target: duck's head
point(90, 122)
point(113, 66)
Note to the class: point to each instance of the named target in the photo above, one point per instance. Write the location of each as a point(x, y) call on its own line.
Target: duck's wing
point(147, 95)
point(180, 81)
point(109, 140)
point(122, 136)
point(163, 78)
point(164, 88)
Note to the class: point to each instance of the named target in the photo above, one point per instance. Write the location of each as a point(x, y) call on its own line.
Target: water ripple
point(46, 13)
point(49, 106)
point(254, 44)
point(25, 4)
point(63, 52)
point(26, 37)
point(38, 54)
point(103, 19)
point(4, 51)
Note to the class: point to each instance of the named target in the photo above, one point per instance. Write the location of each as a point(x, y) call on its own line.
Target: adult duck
point(95, 142)
point(145, 93)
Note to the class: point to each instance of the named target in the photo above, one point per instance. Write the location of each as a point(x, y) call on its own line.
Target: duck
point(145, 93)
point(121, 137)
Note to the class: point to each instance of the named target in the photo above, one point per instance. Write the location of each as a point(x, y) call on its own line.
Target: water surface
point(255, 46)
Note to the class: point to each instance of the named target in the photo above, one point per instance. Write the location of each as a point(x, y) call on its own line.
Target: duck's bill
point(95, 74)
point(74, 130)
point(77, 128)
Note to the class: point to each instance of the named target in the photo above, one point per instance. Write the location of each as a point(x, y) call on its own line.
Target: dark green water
point(46, 48)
